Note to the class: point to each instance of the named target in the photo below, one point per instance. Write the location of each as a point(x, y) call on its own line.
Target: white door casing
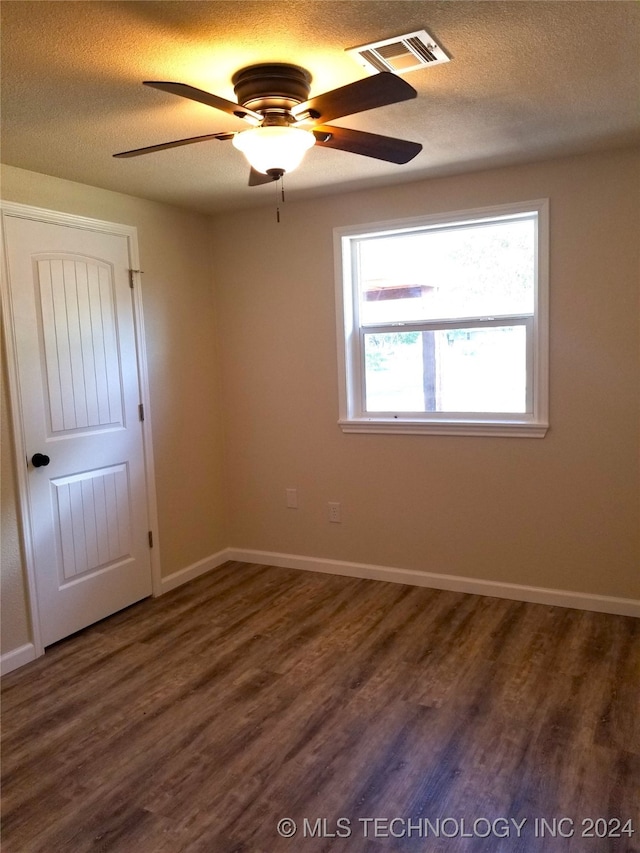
point(78, 378)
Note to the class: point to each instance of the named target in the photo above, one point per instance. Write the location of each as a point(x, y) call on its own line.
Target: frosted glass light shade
point(279, 148)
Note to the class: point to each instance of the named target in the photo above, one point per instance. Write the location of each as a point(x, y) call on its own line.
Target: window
point(442, 323)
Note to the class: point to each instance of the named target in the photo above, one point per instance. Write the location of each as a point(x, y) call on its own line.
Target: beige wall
point(561, 512)
point(252, 360)
point(14, 622)
point(180, 318)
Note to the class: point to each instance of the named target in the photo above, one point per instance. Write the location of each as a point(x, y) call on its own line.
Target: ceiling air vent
point(400, 54)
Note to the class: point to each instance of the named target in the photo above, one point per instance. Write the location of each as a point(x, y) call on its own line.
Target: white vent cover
point(400, 54)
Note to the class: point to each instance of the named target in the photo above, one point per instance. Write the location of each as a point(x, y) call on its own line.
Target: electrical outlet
point(292, 498)
point(334, 512)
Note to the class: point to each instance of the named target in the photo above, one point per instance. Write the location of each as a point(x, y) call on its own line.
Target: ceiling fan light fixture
point(274, 149)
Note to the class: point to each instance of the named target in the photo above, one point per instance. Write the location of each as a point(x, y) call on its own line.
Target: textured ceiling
point(526, 81)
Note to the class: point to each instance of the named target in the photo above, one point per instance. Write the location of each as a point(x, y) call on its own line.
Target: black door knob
point(39, 460)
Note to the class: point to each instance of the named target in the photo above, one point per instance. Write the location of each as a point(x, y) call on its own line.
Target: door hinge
point(141, 411)
point(131, 281)
point(150, 539)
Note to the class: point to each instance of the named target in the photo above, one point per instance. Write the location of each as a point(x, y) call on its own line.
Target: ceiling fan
point(285, 122)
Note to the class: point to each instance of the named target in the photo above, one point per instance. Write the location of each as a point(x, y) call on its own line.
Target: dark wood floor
point(197, 721)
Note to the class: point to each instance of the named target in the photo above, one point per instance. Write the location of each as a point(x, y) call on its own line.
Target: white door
point(74, 336)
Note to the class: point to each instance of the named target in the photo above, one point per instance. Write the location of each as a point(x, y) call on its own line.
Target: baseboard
point(453, 583)
point(17, 657)
point(194, 571)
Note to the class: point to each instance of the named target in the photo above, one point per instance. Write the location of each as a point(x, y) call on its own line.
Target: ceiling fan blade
point(175, 144)
point(377, 91)
point(185, 91)
point(257, 178)
point(368, 144)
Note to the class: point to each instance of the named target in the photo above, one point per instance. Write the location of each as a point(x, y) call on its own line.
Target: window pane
point(393, 372)
point(465, 271)
point(456, 370)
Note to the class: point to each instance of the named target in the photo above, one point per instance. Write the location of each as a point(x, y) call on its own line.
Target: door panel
point(77, 308)
point(77, 366)
point(92, 520)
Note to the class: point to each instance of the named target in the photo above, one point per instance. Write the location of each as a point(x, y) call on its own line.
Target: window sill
point(504, 429)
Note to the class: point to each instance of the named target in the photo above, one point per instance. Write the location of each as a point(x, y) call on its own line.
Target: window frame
point(353, 417)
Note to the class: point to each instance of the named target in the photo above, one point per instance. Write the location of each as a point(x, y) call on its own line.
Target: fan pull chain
point(280, 192)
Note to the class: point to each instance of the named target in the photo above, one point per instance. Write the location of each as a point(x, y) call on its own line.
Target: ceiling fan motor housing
point(276, 87)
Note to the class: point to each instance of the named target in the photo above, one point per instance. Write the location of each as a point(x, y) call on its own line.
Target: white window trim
point(533, 424)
